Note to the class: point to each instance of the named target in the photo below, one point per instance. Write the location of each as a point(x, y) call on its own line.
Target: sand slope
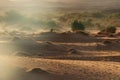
point(72, 69)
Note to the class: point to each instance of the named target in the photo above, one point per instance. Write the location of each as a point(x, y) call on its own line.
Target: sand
point(70, 69)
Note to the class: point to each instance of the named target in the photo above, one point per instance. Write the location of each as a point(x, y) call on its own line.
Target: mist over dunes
point(30, 15)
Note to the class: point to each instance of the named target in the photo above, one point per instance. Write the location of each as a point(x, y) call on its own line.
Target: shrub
point(98, 15)
point(107, 42)
point(111, 35)
point(108, 31)
point(111, 29)
point(77, 25)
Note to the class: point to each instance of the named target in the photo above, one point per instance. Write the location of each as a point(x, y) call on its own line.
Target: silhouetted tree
point(77, 25)
point(52, 24)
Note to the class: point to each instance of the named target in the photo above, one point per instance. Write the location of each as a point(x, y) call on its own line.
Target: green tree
point(77, 25)
point(52, 24)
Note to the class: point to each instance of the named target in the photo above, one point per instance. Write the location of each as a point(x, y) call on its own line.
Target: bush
point(98, 15)
point(111, 29)
point(108, 31)
point(107, 42)
point(111, 35)
point(77, 25)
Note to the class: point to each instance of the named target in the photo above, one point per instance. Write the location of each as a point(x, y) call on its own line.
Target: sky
point(34, 6)
point(58, 3)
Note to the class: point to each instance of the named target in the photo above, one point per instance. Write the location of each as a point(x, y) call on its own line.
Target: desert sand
point(66, 69)
point(55, 59)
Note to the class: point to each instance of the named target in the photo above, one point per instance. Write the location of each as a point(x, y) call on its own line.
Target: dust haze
point(59, 40)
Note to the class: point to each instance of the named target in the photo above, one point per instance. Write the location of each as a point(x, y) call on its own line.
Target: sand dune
point(54, 61)
point(71, 69)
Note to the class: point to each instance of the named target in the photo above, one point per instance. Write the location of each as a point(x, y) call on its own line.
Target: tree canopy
point(77, 25)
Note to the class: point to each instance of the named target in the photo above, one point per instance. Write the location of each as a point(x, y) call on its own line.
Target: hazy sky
point(52, 3)
point(33, 6)
point(40, 5)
